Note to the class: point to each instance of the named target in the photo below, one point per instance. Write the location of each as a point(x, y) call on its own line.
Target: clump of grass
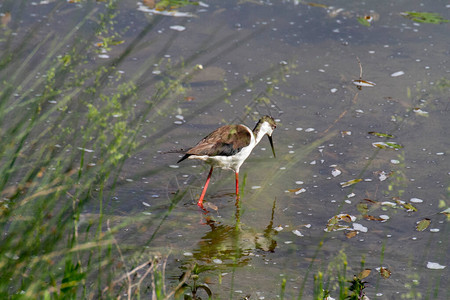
point(335, 281)
point(67, 127)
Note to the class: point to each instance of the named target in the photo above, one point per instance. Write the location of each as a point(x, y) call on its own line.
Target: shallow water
point(302, 58)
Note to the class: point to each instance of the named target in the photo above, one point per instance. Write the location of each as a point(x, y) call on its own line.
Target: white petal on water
point(434, 229)
point(103, 56)
point(395, 161)
point(302, 190)
point(384, 217)
point(297, 233)
point(255, 187)
point(147, 213)
point(336, 172)
point(351, 195)
point(398, 73)
point(416, 200)
point(278, 228)
point(217, 261)
point(434, 266)
point(333, 90)
point(188, 254)
point(382, 176)
point(177, 28)
point(145, 203)
point(309, 129)
point(174, 166)
point(299, 182)
point(359, 227)
point(299, 129)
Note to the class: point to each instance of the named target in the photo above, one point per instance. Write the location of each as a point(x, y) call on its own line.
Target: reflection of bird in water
point(229, 146)
point(232, 244)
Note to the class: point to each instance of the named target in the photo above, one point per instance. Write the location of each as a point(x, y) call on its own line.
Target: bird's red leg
point(237, 184)
point(200, 201)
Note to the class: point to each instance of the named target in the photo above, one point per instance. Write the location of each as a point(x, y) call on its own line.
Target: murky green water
point(302, 58)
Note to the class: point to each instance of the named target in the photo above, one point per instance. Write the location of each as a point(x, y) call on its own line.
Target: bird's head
point(266, 125)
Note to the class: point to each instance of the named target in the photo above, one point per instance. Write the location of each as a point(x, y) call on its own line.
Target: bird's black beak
point(271, 145)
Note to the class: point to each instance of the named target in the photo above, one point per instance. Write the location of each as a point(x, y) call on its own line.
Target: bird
point(228, 147)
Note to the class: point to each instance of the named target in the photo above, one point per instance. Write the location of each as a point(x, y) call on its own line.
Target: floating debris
point(363, 83)
point(408, 206)
point(382, 135)
point(346, 132)
point(351, 234)
point(172, 13)
point(423, 224)
point(415, 200)
point(359, 227)
point(178, 28)
point(382, 175)
point(297, 233)
point(364, 273)
point(350, 182)
point(297, 191)
point(373, 218)
point(398, 73)
point(333, 223)
point(384, 217)
point(384, 272)
point(424, 17)
point(420, 112)
point(446, 212)
point(435, 266)
point(336, 172)
point(278, 228)
point(387, 145)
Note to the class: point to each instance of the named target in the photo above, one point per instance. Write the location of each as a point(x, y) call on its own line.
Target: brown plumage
point(226, 140)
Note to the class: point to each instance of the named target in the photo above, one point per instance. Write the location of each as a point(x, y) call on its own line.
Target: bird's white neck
point(262, 130)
